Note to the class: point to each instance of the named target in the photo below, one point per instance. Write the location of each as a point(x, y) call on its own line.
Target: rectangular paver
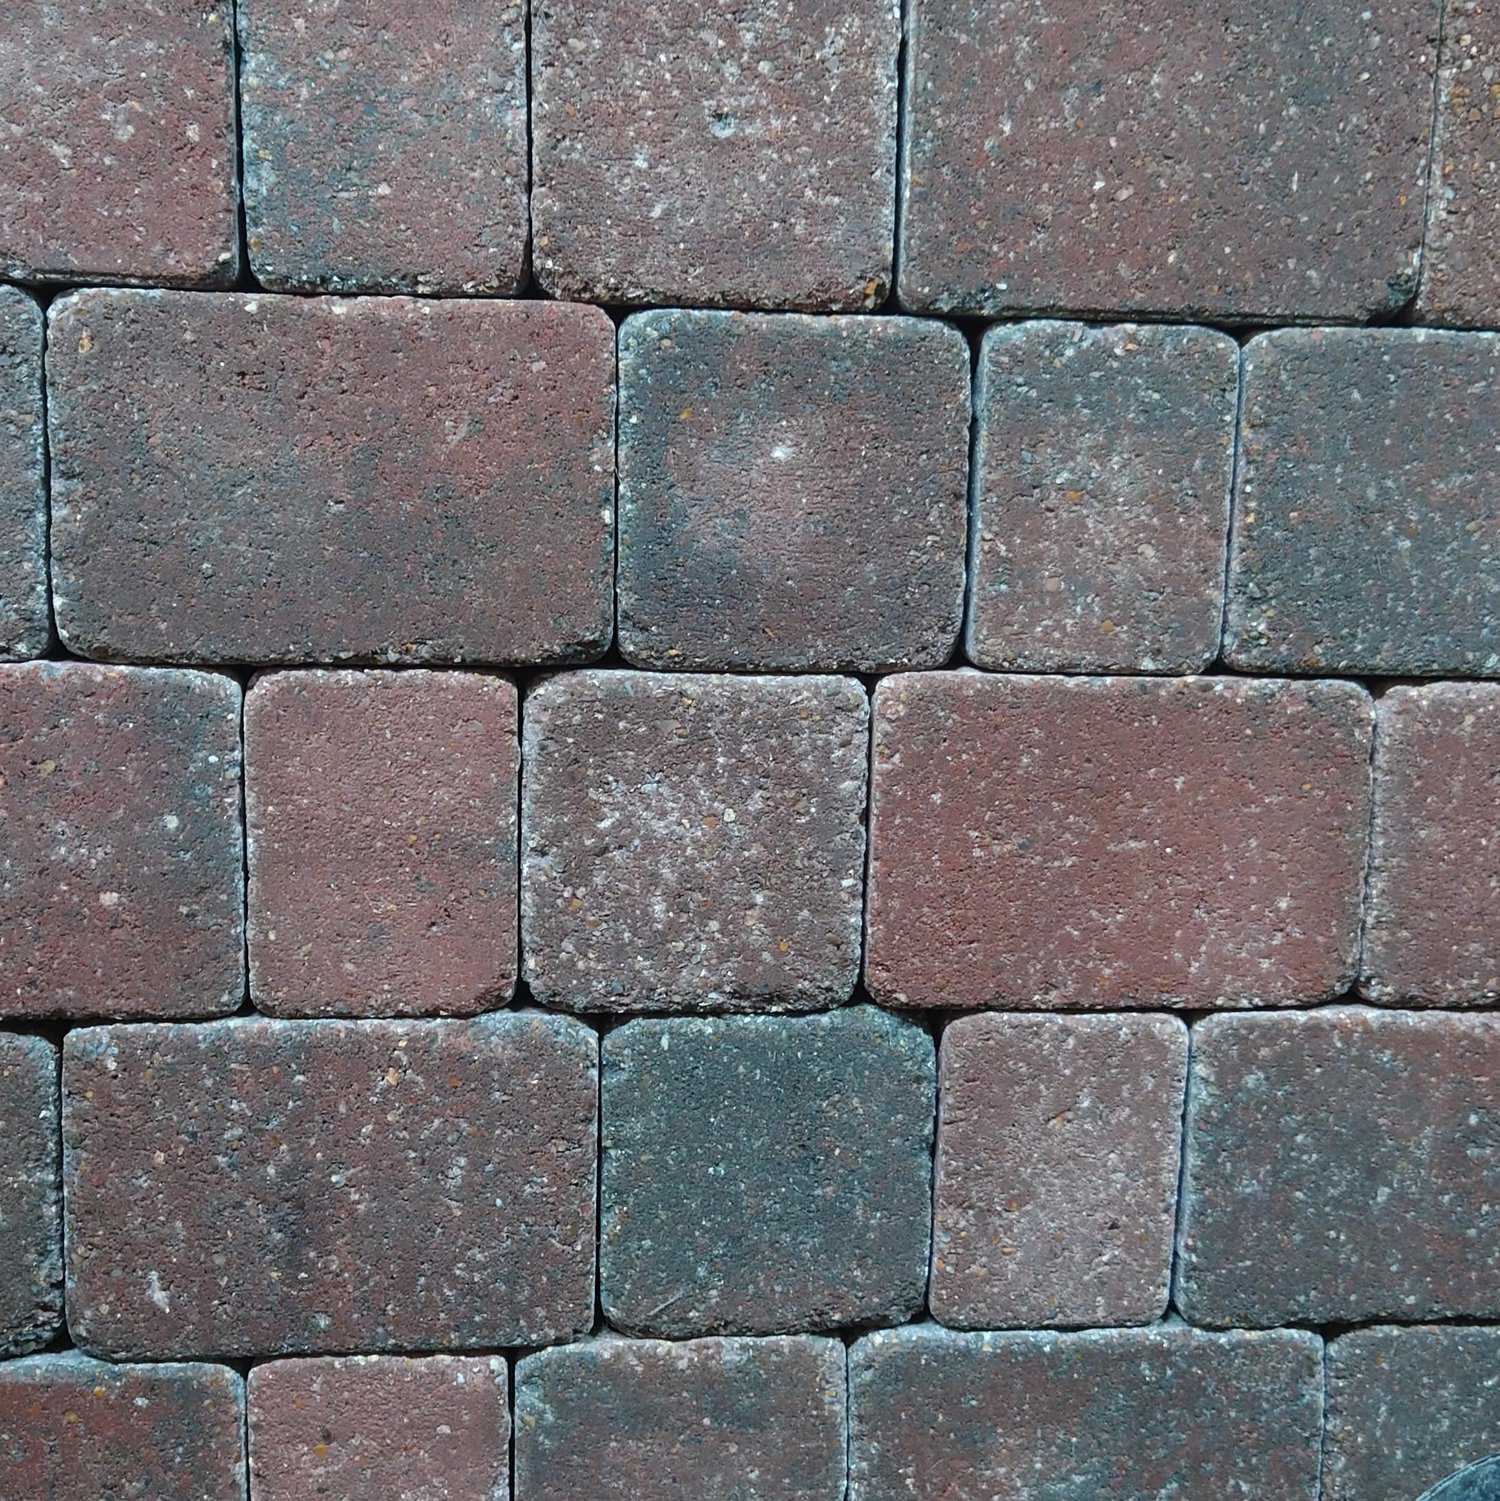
point(25, 622)
point(31, 1269)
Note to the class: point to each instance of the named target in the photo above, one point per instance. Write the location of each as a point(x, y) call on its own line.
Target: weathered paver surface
point(25, 618)
point(31, 1272)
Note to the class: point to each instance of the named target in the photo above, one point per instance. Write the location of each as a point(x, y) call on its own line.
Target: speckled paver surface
point(31, 1274)
point(25, 624)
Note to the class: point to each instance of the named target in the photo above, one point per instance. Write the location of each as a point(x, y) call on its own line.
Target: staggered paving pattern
point(749, 753)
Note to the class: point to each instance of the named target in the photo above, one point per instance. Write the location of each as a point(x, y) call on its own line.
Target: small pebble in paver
point(739, 157)
point(122, 880)
point(380, 1428)
point(792, 491)
point(25, 626)
point(119, 159)
point(1101, 497)
point(1102, 1415)
point(31, 1296)
point(381, 818)
point(1259, 165)
point(385, 157)
point(1460, 274)
point(693, 842)
point(1362, 538)
point(1430, 936)
point(272, 479)
point(765, 1175)
point(75, 1429)
point(624, 1419)
point(1056, 1176)
point(256, 1187)
point(1340, 1167)
point(1080, 843)
point(1407, 1407)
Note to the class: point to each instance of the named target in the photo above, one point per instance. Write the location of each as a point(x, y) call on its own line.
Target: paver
point(1435, 847)
point(1362, 540)
point(72, 1427)
point(792, 491)
point(387, 157)
point(1056, 1173)
point(25, 622)
point(692, 842)
point(244, 478)
point(122, 877)
point(743, 157)
point(1407, 1407)
point(617, 1419)
point(380, 1428)
point(1091, 1416)
point(1101, 497)
point(31, 1298)
point(381, 818)
point(1339, 1167)
point(1255, 165)
point(256, 1187)
point(765, 1175)
point(119, 142)
point(1065, 843)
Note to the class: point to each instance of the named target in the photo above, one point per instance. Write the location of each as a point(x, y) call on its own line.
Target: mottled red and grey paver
point(1340, 1167)
point(380, 1428)
point(692, 842)
point(1056, 1173)
point(121, 876)
point(764, 1175)
point(1363, 539)
point(31, 1271)
point(620, 1419)
point(254, 1187)
point(25, 621)
point(792, 491)
point(381, 823)
point(389, 156)
point(76, 1429)
point(1255, 165)
point(742, 157)
point(1101, 1415)
point(1066, 843)
point(118, 161)
point(1430, 936)
point(1103, 463)
point(280, 479)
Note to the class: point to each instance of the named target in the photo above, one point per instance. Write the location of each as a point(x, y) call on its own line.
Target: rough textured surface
point(25, 623)
point(1090, 842)
point(1460, 274)
point(792, 491)
point(269, 479)
point(1103, 463)
point(1434, 887)
point(1056, 1176)
point(117, 142)
point(280, 1187)
point(385, 155)
point(1477, 1482)
point(121, 871)
point(743, 157)
point(763, 1174)
point(1240, 164)
point(1340, 1166)
point(75, 1429)
point(1407, 1407)
point(741, 1419)
point(380, 1428)
point(1108, 1415)
point(1363, 539)
point(692, 842)
point(31, 1299)
point(381, 816)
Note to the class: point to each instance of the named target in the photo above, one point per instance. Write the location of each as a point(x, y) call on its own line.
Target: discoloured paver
point(25, 623)
point(31, 1298)
point(282, 1187)
point(792, 491)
